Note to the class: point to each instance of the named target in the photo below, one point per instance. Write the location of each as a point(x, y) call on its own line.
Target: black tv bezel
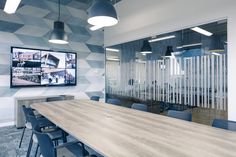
point(47, 85)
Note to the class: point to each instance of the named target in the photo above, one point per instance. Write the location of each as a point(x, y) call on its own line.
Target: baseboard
point(7, 124)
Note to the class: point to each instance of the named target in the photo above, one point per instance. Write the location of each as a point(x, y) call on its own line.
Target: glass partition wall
point(181, 70)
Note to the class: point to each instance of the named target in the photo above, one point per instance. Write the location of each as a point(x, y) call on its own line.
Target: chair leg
point(64, 137)
point(83, 149)
point(30, 145)
point(56, 142)
point(22, 135)
point(36, 152)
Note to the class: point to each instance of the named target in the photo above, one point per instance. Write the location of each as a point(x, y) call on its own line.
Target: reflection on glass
point(186, 68)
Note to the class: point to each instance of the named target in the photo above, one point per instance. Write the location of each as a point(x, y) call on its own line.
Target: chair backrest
point(95, 98)
point(58, 98)
point(224, 124)
point(46, 145)
point(33, 120)
point(27, 112)
point(138, 106)
point(114, 101)
point(180, 115)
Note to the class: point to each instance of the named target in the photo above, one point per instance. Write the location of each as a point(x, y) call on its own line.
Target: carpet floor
point(9, 143)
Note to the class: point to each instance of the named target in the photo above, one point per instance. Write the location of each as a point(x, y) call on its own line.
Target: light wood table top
point(116, 131)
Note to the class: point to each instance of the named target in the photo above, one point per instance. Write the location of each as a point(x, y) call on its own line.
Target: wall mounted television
point(37, 67)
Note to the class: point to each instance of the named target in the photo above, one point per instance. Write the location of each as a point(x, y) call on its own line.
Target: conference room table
point(115, 131)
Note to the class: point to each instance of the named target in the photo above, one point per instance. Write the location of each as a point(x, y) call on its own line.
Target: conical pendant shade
point(169, 50)
point(146, 48)
point(58, 34)
point(102, 13)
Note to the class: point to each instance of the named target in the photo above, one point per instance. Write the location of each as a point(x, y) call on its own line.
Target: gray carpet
point(9, 143)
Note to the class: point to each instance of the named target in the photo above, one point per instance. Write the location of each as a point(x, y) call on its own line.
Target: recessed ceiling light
point(202, 31)
point(111, 49)
point(162, 38)
point(189, 45)
point(11, 6)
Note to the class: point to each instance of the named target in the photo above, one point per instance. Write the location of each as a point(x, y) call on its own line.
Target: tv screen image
point(25, 58)
point(52, 59)
point(53, 76)
point(26, 76)
point(35, 67)
point(70, 76)
point(70, 60)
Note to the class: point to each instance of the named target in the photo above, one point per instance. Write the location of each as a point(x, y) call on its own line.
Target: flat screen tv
point(35, 67)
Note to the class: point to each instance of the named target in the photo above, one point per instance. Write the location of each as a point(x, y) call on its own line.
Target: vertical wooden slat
point(217, 82)
point(225, 83)
point(213, 81)
point(220, 82)
point(163, 81)
point(194, 82)
point(208, 80)
point(191, 81)
point(184, 81)
point(198, 81)
point(180, 90)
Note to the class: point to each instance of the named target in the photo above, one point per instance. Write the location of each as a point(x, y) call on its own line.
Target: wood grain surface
point(116, 131)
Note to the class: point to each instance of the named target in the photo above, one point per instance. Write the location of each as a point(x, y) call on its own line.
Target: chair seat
point(44, 122)
point(55, 134)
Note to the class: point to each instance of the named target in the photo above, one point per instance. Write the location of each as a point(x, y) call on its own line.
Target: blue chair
point(114, 101)
point(48, 149)
point(163, 106)
point(26, 126)
point(29, 111)
point(95, 98)
point(53, 132)
point(32, 121)
point(180, 115)
point(140, 107)
point(224, 124)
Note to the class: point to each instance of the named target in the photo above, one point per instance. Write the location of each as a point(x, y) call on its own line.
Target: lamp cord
point(59, 9)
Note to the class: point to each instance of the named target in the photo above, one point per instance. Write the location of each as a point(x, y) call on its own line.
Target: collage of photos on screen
point(26, 67)
point(57, 68)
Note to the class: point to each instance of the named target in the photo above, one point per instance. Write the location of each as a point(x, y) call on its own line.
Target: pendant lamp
point(169, 50)
point(102, 13)
point(146, 48)
point(58, 34)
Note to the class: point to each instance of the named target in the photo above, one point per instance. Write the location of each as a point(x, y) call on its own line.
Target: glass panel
point(181, 70)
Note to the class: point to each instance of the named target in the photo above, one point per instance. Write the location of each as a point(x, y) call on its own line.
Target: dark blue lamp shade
point(169, 50)
point(146, 48)
point(102, 13)
point(58, 34)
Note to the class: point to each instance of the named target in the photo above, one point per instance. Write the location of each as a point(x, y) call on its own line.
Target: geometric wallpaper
point(30, 27)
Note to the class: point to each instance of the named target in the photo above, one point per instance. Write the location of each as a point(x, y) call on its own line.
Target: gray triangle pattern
point(30, 27)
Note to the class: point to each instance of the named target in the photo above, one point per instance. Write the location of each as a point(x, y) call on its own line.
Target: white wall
point(139, 18)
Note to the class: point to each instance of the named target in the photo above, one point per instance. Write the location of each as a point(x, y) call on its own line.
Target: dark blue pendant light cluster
point(101, 14)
